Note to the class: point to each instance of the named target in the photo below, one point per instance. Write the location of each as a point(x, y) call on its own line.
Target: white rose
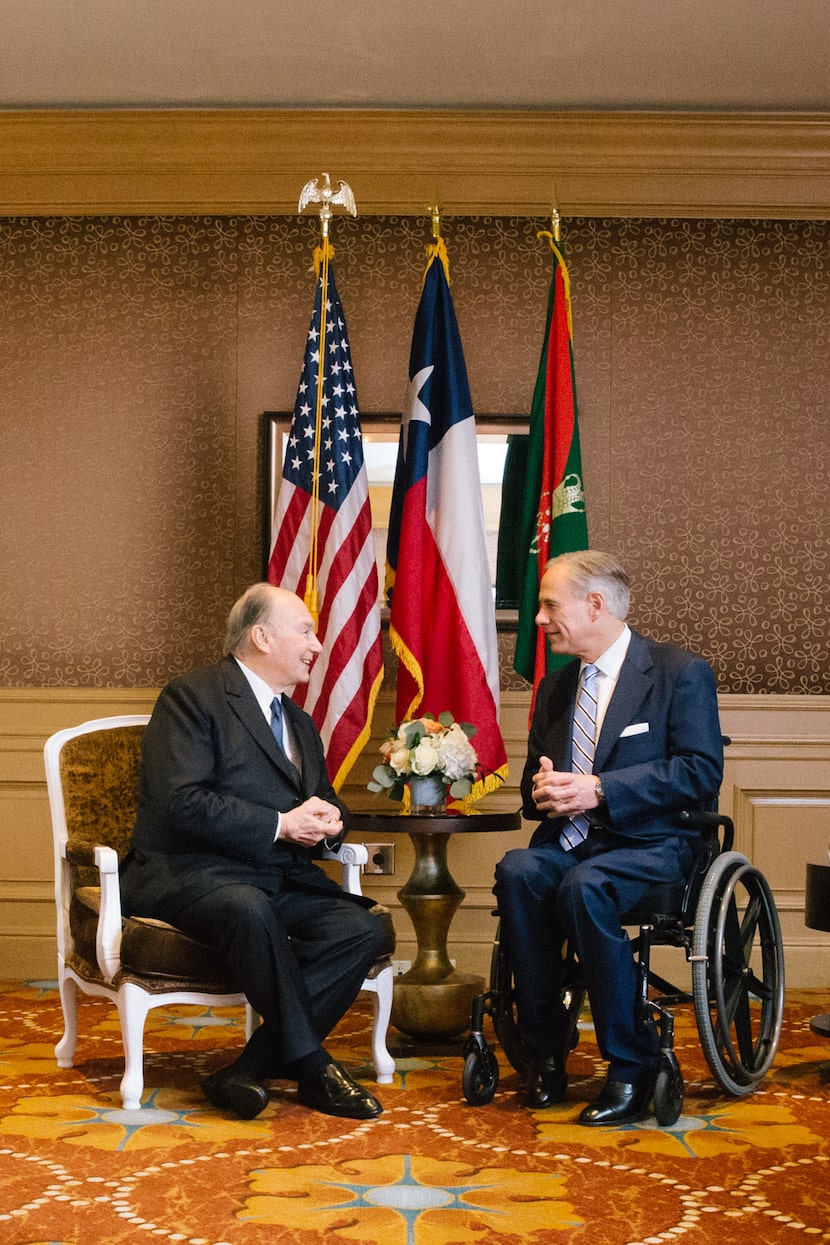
point(425, 758)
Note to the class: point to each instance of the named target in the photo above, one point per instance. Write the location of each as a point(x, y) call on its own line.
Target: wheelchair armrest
point(352, 856)
point(108, 933)
point(708, 823)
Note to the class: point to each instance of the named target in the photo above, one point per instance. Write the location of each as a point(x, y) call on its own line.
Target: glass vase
point(427, 794)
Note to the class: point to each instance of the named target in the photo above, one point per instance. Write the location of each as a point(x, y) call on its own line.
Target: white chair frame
point(133, 1002)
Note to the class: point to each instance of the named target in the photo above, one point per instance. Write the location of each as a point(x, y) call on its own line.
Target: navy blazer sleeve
point(660, 750)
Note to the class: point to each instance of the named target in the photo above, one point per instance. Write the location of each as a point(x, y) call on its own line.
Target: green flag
point(552, 518)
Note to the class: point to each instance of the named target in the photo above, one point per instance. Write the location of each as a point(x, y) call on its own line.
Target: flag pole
point(326, 197)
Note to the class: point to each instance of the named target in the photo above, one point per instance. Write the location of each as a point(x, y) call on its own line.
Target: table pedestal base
point(434, 1011)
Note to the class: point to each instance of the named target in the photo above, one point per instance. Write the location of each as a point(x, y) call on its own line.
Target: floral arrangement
point(428, 747)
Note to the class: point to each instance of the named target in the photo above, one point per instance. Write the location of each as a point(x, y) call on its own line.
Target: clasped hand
point(310, 822)
point(562, 794)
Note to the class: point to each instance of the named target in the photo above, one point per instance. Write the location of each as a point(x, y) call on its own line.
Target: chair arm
point(79, 853)
point(352, 856)
point(108, 933)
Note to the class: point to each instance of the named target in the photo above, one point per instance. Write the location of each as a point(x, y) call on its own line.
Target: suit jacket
point(660, 749)
point(212, 782)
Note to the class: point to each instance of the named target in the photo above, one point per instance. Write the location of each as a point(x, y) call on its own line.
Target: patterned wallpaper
point(138, 354)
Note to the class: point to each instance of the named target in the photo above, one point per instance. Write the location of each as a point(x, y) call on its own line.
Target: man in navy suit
point(234, 803)
point(621, 742)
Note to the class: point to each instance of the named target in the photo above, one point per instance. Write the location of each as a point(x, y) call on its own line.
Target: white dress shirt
point(609, 665)
point(264, 695)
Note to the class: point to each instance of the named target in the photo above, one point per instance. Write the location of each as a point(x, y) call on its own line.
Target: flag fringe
point(491, 782)
point(410, 663)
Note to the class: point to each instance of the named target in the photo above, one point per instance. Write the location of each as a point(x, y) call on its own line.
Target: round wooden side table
point(432, 1000)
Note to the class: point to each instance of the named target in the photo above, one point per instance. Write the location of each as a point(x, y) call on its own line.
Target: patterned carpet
point(431, 1171)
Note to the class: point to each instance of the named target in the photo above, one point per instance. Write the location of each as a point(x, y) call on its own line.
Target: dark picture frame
point(381, 429)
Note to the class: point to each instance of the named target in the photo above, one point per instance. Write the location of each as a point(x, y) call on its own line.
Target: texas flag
point(442, 615)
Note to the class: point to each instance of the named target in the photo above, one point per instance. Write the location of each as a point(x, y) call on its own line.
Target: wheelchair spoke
point(736, 1012)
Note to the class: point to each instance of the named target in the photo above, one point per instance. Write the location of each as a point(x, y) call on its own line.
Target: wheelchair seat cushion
point(665, 899)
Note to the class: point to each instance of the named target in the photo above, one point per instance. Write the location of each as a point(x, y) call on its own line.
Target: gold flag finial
point(313, 192)
point(435, 211)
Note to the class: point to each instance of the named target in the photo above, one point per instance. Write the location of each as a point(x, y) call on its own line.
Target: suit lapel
point(632, 686)
point(244, 704)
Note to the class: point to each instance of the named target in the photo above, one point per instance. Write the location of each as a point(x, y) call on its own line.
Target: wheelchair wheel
point(737, 973)
point(668, 1090)
point(480, 1078)
point(504, 1008)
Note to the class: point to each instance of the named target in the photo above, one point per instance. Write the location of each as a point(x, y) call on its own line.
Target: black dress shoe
point(230, 1091)
point(333, 1092)
point(619, 1103)
point(546, 1083)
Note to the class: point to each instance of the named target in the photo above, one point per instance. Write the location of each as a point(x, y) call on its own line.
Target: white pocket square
point(636, 728)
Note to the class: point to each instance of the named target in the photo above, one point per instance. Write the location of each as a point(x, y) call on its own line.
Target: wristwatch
point(598, 789)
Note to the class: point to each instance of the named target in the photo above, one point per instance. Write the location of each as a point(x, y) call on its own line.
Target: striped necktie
point(582, 754)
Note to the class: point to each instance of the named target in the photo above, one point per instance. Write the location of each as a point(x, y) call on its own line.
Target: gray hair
point(592, 571)
point(253, 607)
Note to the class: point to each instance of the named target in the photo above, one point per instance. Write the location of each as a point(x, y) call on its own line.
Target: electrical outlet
point(381, 858)
point(399, 967)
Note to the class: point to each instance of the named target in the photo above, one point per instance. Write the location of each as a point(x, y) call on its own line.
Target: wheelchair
point(725, 919)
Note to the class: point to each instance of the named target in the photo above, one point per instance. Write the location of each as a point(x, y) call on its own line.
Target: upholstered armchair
point(92, 774)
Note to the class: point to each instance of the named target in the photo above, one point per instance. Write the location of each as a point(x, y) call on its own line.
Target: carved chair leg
point(133, 1006)
point(65, 1049)
point(382, 1005)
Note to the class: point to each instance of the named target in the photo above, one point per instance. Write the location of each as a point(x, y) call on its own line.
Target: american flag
point(346, 677)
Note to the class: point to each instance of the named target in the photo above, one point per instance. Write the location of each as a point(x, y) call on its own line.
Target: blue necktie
point(583, 747)
point(276, 721)
point(277, 732)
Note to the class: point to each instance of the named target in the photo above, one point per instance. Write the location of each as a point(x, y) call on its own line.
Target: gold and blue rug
point(432, 1170)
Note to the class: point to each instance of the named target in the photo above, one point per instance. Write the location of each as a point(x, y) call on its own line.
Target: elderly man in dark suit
point(234, 801)
point(622, 740)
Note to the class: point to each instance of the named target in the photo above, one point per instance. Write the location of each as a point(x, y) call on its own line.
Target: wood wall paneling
point(777, 788)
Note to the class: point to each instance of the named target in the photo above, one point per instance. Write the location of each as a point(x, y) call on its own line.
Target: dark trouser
point(300, 958)
point(546, 895)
